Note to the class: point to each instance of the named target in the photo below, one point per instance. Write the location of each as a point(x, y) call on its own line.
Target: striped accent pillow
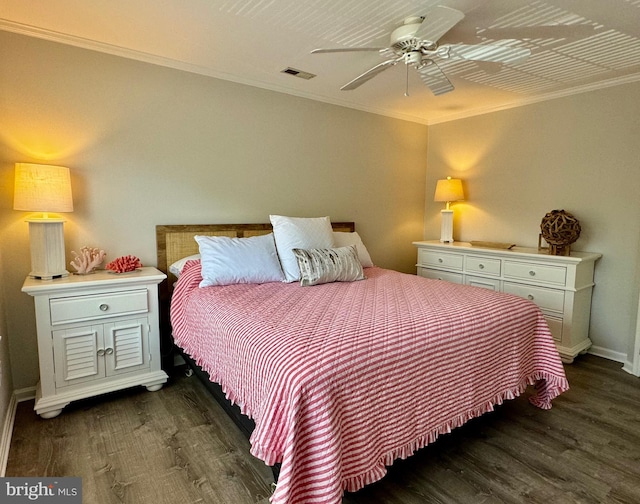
point(319, 266)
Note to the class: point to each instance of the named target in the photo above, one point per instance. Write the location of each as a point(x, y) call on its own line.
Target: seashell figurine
point(124, 264)
point(87, 260)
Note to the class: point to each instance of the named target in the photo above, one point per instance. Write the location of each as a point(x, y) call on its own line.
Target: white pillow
point(177, 267)
point(320, 266)
point(228, 261)
point(302, 233)
point(342, 239)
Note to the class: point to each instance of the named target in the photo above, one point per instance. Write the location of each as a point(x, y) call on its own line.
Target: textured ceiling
point(576, 45)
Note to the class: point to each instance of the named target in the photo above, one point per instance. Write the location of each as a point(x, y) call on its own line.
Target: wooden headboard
point(173, 242)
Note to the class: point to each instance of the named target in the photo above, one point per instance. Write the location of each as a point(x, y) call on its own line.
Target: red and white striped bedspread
point(341, 379)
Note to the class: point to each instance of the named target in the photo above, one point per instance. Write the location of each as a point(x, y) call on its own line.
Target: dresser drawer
point(483, 265)
point(547, 299)
point(440, 275)
point(77, 309)
point(555, 325)
point(556, 275)
point(486, 283)
point(441, 259)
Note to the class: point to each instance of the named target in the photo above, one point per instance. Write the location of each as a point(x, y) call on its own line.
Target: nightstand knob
point(440, 260)
point(532, 273)
point(530, 297)
point(481, 266)
point(104, 307)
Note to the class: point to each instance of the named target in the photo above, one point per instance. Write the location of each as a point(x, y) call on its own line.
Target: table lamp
point(448, 190)
point(44, 188)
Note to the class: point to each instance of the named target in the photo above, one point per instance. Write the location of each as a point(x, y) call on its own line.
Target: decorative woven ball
point(560, 228)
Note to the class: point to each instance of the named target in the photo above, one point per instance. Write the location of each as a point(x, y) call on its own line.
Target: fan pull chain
point(406, 92)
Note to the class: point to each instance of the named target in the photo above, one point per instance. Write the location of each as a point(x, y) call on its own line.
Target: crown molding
point(114, 50)
point(594, 86)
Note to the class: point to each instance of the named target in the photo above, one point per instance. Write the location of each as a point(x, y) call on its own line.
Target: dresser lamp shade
point(448, 190)
point(44, 188)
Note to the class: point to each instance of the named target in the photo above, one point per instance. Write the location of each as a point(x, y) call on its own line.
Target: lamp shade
point(42, 188)
point(449, 190)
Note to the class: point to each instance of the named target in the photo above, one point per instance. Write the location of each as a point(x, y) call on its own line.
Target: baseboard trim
point(7, 432)
point(608, 354)
point(628, 367)
point(25, 394)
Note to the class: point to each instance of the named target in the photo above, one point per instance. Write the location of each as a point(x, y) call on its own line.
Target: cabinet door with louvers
point(88, 353)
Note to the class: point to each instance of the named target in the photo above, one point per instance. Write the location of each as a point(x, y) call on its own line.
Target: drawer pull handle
point(532, 273)
point(480, 266)
point(108, 351)
point(104, 307)
point(530, 297)
point(100, 352)
point(440, 260)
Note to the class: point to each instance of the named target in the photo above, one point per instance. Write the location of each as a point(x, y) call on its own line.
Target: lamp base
point(46, 237)
point(446, 230)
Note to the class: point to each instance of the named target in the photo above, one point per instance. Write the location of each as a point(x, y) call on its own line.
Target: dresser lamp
point(44, 188)
point(448, 190)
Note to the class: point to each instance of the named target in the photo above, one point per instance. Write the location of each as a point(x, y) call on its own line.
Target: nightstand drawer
point(483, 265)
point(80, 308)
point(441, 260)
point(535, 272)
point(547, 299)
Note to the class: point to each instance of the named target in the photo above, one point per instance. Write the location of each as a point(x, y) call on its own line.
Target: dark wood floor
point(176, 446)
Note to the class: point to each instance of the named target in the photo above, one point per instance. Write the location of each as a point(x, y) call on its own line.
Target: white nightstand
point(97, 333)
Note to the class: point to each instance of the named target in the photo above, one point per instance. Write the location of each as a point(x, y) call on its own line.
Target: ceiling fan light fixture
point(413, 58)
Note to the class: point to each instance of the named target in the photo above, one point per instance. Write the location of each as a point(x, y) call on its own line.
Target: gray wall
point(148, 145)
point(579, 153)
point(6, 382)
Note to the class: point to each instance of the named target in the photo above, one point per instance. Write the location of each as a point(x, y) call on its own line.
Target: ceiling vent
point(298, 73)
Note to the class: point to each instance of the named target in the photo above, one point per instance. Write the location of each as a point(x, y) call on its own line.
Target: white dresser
point(97, 333)
point(561, 286)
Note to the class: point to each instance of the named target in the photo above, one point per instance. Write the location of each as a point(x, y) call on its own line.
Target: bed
point(342, 378)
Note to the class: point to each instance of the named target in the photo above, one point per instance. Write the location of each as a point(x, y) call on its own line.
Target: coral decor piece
point(87, 260)
point(124, 264)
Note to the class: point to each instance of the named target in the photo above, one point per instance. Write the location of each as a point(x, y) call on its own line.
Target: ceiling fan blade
point(434, 78)
point(347, 49)
point(489, 52)
point(369, 74)
point(560, 32)
point(438, 21)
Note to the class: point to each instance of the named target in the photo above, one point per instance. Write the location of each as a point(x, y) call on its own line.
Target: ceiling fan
point(415, 43)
